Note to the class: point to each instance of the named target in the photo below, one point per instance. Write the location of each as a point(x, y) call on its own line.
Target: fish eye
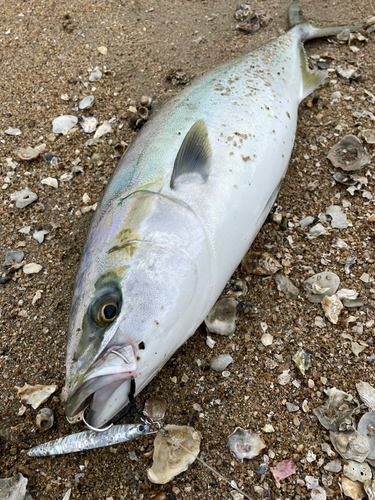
point(105, 310)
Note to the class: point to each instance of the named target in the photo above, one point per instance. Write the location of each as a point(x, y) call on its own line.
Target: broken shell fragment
point(35, 395)
point(45, 419)
point(367, 394)
point(169, 458)
point(285, 285)
point(350, 445)
point(23, 198)
point(336, 414)
point(339, 219)
point(366, 427)
point(245, 444)
point(50, 181)
point(236, 287)
point(146, 101)
point(302, 359)
point(357, 472)
point(260, 263)
point(155, 407)
point(105, 128)
point(283, 469)
point(332, 307)
point(219, 363)
point(349, 154)
point(222, 317)
point(352, 489)
point(62, 124)
point(369, 136)
point(88, 123)
point(86, 102)
point(12, 488)
point(28, 153)
point(320, 285)
point(369, 487)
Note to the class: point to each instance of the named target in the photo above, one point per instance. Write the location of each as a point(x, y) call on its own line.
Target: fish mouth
point(105, 387)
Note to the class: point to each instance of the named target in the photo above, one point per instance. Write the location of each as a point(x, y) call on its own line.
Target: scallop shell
point(245, 444)
point(349, 154)
point(169, 458)
point(367, 394)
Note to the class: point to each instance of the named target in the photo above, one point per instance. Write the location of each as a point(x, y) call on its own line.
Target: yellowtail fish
point(178, 215)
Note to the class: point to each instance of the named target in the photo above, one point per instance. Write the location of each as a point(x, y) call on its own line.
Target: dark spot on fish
point(141, 345)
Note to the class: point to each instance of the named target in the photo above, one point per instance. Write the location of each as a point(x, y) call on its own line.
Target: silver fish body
point(89, 440)
point(179, 213)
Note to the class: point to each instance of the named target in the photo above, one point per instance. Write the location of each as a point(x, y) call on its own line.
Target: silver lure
point(89, 440)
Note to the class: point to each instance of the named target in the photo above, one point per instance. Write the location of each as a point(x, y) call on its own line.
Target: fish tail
point(308, 30)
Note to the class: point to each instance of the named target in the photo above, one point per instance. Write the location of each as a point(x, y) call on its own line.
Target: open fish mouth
point(100, 386)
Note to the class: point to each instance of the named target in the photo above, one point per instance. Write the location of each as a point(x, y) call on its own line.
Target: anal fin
point(310, 79)
point(194, 153)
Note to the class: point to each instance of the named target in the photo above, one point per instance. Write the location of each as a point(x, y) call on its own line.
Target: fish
point(179, 213)
point(88, 440)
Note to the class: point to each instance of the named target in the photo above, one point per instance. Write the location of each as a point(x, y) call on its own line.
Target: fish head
point(129, 296)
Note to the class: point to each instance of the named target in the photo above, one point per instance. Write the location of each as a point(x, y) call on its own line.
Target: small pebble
point(32, 268)
point(95, 75)
point(13, 131)
point(16, 255)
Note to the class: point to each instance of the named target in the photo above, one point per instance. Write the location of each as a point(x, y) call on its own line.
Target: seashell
point(344, 179)
point(245, 444)
point(105, 128)
point(302, 359)
point(357, 472)
point(45, 419)
point(23, 198)
point(369, 487)
point(14, 488)
point(95, 75)
point(143, 113)
point(62, 124)
point(350, 445)
point(339, 219)
point(164, 495)
point(369, 136)
point(219, 363)
point(50, 181)
point(146, 101)
point(88, 123)
point(337, 412)
point(169, 458)
point(155, 407)
point(13, 131)
point(352, 489)
point(32, 268)
point(35, 395)
point(119, 149)
point(367, 394)
point(28, 153)
point(236, 287)
point(222, 317)
point(86, 102)
point(318, 493)
point(366, 427)
point(349, 154)
point(283, 469)
point(332, 307)
point(320, 285)
point(7, 432)
point(39, 236)
point(285, 285)
point(260, 263)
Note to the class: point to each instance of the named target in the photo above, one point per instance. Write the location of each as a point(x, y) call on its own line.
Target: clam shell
point(350, 445)
point(260, 263)
point(349, 154)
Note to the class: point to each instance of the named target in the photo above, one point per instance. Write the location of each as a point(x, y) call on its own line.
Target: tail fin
point(309, 30)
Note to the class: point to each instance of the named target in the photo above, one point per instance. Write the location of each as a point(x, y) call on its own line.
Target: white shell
point(245, 444)
point(366, 427)
point(35, 395)
point(367, 394)
point(332, 307)
point(350, 445)
point(169, 458)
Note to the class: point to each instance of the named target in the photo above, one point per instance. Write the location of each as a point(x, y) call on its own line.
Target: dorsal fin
point(194, 153)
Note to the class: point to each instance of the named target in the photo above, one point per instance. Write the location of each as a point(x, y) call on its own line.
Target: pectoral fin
point(194, 153)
